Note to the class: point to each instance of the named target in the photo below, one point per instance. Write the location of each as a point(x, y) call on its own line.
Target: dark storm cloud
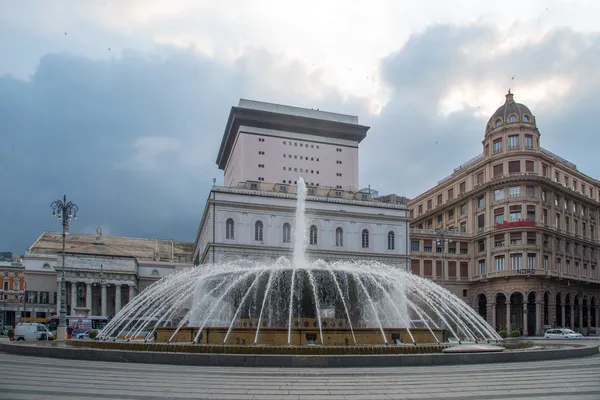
point(132, 141)
point(420, 146)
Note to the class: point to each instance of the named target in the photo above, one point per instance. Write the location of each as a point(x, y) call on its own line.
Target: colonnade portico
point(86, 297)
point(536, 311)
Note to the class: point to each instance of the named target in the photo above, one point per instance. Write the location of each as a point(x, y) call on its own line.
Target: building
point(255, 220)
point(102, 272)
point(12, 290)
point(525, 250)
point(267, 142)
point(265, 148)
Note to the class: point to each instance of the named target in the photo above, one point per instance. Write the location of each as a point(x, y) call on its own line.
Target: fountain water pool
point(297, 302)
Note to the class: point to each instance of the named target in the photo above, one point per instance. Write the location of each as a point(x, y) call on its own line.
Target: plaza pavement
point(52, 379)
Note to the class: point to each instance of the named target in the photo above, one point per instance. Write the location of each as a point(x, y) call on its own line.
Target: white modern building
point(265, 149)
point(267, 142)
point(102, 272)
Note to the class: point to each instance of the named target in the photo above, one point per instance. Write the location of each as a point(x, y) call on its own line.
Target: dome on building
point(510, 113)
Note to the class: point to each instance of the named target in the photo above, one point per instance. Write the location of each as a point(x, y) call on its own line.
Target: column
point(508, 319)
point(581, 317)
point(58, 298)
point(589, 321)
point(131, 292)
point(88, 298)
point(525, 318)
point(491, 314)
point(539, 317)
point(563, 317)
point(103, 300)
point(117, 299)
point(572, 308)
point(73, 297)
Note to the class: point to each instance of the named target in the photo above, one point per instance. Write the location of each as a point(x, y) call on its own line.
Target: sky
point(121, 105)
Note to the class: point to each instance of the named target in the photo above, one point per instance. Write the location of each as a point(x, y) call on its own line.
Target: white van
point(32, 331)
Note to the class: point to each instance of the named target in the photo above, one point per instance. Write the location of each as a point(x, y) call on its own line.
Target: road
point(52, 379)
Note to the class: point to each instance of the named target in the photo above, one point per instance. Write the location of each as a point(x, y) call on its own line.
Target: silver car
point(562, 334)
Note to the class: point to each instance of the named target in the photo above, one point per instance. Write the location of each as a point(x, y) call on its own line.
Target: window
point(451, 215)
point(544, 196)
point(481, 202)
point(514, 191)
point(462, 187)
point(515, 214)
point(339, 237)
point(229, 234)
point(513, 142)
point(499, 241)
point(479, 178)
point(481, 222)
point(498, 122)
point(515, 261)
point(546, 263)
point(528, 142)
point(429, 204)
point(313, 235)
point(525, 118)
point(498, 170)
point(530, 192)
point(463, 227)
point(481, 246)
point(514, 167)
point(499, 263)
point(463, 209)
point(512, 119)
point(365, 239)
point(497, 145)
point(482, 267)
point(450, 194)
point(440, 219)
point(439, 199)
point(545, 216)
point(529, 166)
point(498, 194)
point(516, 238)
point(414, 245)
point(531, 261)
point(258, 231)
point(391, 241)
point(287, 233)
point(498, 216)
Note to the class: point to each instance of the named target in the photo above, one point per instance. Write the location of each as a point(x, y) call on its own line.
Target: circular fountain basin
point(474, 348)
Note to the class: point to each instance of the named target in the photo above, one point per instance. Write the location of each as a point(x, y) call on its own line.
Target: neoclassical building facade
point(525, 248)
point(256, 221)
point(102, 273)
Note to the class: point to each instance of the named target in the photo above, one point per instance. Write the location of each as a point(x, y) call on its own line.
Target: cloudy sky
point(121, 104)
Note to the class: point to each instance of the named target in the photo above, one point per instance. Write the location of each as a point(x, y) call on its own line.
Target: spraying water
point(284, 294)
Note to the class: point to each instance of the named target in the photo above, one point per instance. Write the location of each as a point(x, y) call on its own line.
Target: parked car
point(562, 334)
point(32, 331)
point(86, 334)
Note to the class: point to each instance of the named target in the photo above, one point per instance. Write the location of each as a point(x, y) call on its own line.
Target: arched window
point(287, 233)
point(525, 118)
point(512, 119)
point(391, 240)
point(155, 272)
point(258, 231)
point(339, 237)
point(498, 122)
point(313, 235)
point(229, 229)
point(365, 239)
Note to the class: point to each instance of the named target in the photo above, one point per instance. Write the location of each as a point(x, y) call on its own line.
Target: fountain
point(296, 303)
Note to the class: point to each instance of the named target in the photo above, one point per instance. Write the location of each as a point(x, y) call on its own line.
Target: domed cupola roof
point(510, 113)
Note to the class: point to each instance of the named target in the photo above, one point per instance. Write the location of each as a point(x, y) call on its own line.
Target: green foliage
point(515, 333)
point(11, 333)
point(92, 334)
point(502, 333)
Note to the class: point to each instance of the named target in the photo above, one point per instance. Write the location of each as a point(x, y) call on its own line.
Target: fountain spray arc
point(356, 297)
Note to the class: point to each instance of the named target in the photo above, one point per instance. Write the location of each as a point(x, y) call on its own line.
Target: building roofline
point(239, 116)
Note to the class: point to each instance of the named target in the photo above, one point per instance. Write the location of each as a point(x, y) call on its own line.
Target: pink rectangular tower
point(277, 144)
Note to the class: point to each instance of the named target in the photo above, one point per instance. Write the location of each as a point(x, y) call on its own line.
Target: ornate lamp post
point(442, 237)
point(65, 212)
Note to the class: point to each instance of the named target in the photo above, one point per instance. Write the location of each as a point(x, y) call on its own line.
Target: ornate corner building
point(525, 250)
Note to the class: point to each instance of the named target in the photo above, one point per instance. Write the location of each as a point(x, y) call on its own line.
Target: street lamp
point(442, 237)
point(64, 211)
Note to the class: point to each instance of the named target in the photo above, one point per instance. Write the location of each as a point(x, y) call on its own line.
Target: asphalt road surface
point(46, 378)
